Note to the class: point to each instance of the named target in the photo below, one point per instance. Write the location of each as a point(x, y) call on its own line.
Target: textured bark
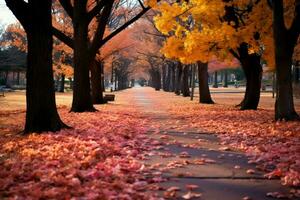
point(173, 78)
point(225, 80)
point(168, 78)
point(96, 83)
point(185, 82)
point(204, 93)
point(215, 85)
point(82, 100)
point(178, 79)
point(41, 112)
point(62, 83)
point(253, 73)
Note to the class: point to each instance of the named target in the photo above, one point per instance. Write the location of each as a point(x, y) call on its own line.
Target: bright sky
point(6, 16)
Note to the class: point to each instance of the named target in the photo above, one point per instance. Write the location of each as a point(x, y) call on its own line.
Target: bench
point(109, 97)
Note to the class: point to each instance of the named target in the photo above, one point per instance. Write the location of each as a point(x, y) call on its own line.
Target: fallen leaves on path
point(100, 158)
point(273, 146)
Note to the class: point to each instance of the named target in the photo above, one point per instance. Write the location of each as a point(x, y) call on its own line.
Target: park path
point(220, 172)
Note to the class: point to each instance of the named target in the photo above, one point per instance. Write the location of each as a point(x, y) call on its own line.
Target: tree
point(86, 43)
point(41, 112)
point(285, 40)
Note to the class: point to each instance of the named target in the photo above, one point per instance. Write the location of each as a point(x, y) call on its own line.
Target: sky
point(6, 16)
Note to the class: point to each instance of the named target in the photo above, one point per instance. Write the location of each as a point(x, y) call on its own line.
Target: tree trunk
point(178, 78)
point(253, 73)
point(82, 100)
point(204, 93)
point(62, 84)
point(173, 78)
point(18, 78)
point(185, 82)
point(215, 85)
point(96, 83)
point(225, 83)
point(168, 78)
point(41, 112)
point(102, 76)
point(157, 80)
point(164, 77)
point(284, 42)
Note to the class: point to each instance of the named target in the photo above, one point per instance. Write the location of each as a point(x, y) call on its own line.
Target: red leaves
point(98, 159)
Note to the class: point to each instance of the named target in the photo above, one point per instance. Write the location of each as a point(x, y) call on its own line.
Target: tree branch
point(66, 4)
point(235, 54)
point(294, 31)
point(20, 10)
point(94, 11)
point(100, 29)
point(63, 37)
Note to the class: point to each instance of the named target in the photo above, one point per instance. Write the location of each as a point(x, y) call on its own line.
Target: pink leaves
point(101, 152)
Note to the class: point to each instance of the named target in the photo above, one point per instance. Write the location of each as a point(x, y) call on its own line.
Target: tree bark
point(173, 78)
point(168, 78)
point(82, 100)
point(204, 93)
point(253, 73)
point(41, 112)
point(225, 83)
point(178, 78)
point(96, 83)
point(215, 85)
point(185, 82)
point(62, 83)
point(284, 42)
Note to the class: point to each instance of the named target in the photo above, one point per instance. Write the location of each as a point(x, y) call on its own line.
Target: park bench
point(109, 97)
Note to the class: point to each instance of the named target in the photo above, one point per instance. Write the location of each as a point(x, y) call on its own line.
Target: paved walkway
point(220, 172)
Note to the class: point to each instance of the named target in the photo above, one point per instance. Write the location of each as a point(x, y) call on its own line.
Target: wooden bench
point(109, 97)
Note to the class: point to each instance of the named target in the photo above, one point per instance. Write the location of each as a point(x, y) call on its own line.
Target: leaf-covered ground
point(98, 159)
point(102, 156)
point(273, 146)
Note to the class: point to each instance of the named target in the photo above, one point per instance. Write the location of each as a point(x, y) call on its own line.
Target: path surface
point(220, 173)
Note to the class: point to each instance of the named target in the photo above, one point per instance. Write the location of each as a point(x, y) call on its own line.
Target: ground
point(151, 145)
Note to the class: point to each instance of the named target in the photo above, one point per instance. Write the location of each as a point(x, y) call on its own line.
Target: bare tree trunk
point(178, 78)
point(185, 82)
point(62, 83)
point(215, 85)
point(204, 93)
point(96, 83)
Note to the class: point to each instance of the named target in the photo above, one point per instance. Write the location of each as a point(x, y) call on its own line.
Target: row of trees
point(91, 25)
point(253, 32)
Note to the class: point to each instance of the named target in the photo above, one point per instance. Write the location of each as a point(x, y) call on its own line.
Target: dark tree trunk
point(204, 93)
point(41, 112)
point(71, 83)
point(96, 83)
point(285, 41)
point(62, 83)
point(173, 78)
point(82, 100)
point(18, 78)
point(164, 77)
point(215, 85)
point(102, 77)
point(168, 78)
point(253, 73)
point(225, 80)
point(178, 78)
point(157, 80)
point(185, 82)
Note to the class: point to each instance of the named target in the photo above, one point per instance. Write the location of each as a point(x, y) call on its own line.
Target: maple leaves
point(96, 159)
